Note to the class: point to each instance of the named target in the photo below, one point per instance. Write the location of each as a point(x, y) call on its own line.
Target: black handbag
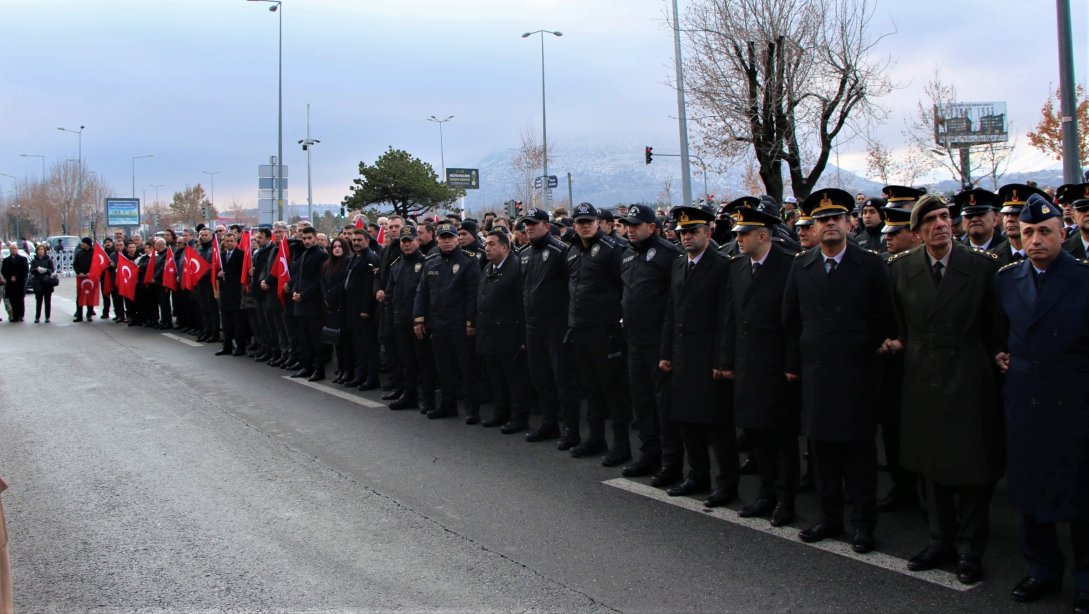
point(51, 281)
point(330, 335)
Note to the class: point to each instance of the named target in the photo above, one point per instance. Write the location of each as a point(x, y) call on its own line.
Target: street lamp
point(308, 144)
point(79, 178)
point(156, 186)
point(134, 159)
point(280, 113)
point(544, 116)
point(442, 154)
point(212, 193)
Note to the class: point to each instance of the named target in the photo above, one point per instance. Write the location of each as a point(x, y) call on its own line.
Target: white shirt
point(838, 257)
point(692, 262)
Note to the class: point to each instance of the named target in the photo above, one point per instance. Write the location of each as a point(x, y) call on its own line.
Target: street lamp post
point(308, 144)
point(134, 159)
point(544, 109)
point(156, 186)
point(212, 193)
point(276, 5)
point(79, 178)
point(442, 153)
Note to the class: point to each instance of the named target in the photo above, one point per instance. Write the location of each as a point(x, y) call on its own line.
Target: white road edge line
point(183, 340)
point(340, 394)
point(877, 559)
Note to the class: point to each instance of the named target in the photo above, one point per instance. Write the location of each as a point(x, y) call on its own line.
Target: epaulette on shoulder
point(875, 253)
point(1082, 262)
point(557, 245)
point(801, 253)
point(607, 240)
point(1012, 265)
point(984, 253)
point(433, 255)
point(899, 255)
point(737, 256)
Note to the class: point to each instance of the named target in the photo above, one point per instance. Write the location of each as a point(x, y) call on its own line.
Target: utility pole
point(682, 115)
point(1067, 107)
point(307, 144)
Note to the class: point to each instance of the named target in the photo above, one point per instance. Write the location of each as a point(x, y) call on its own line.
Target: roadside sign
point(553, 182)
point(122, 211)
point(465, 178)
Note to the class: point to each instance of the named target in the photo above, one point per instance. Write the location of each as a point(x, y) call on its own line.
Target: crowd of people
point(956, 325)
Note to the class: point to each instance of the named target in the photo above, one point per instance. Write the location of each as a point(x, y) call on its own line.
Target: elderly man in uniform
point(691, 336)
point(1078, 244)
point(945, 305)
point(646, 270)
point(1045, 299)
point(1013, 197)
point(838, 309)
point(979, 209)
point(753, 355)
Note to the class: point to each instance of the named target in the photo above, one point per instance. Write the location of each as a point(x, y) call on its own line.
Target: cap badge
point(419, 265)
point(455, 268)
point(683, 219)
point(1087, 191)
point(825, 201)
point(971, 199)
point(1045, 209)
point(1014, 197)
point(594, 250)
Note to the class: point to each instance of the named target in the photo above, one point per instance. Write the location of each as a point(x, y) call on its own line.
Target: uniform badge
point(419, 265)
point(594, 250)
point(544, 256)
point(456, 268)
point(650, 253)
point(1045, 210)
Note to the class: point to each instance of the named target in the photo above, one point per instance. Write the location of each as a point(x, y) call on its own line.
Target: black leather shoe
point(820, 531)
point(543, 432)
point(494, 421)
point(616, 457)
point(1030, 589)
point(641, 467)
point(339, 379)
point(666, 476)
point(317, 376)
point(1081, 602)
point(569, 438)
point(292, 366)
point(395, 394)
point(472, 419)
point(404, 403)
point(370, 384)
point(352, 383)
point(932, 557)
point(303, 372)
point(688, 487)
point(720, 497)
point(222, 352)
point(969, 569)
point(783, 514)
point(262, 358)
point(514, 426)
point(590, 447)
point(758, 509)
point(863, 541)
point(238, 352)
point(436, 414)
point(749, 466)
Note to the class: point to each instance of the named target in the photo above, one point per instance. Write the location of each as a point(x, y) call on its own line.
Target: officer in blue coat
point(1046, 360)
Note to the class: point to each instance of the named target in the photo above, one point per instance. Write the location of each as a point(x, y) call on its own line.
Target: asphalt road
point(147, 474)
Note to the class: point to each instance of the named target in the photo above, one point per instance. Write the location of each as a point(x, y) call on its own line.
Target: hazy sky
point(194, 81)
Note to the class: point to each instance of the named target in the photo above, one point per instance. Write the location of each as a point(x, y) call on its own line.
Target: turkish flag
point(247, 259)
point(170, 272)
point(107, 282)
point(217, 262)
point(195, 268)
point(359, 221)
point(126, 277)
point(149, 273)
point(88, 291)
point(100, 260)
point(381, 238)
point(280, 269)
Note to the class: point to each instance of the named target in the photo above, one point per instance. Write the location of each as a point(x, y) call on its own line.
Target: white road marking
point(340, 394)
point(877, 559)
point(189, 342)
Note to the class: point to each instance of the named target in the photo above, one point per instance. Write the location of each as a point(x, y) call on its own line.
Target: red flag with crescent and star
point(280, 269)
point(195, 268)
point(149, 273)
point(217, 263)
point(170, 272)
point(126, 277)
point(247, 259)
point(100, 260)
point(88, 291)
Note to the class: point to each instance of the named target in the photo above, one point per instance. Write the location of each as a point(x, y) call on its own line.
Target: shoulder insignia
point(898, 255)
point(801, 253)
point(737, 257)
point(985, 253)
point(1012, 265)
point(607, 240)
point(875, 253)
point(433, 255)
point(1082, 262)
point(556, 247)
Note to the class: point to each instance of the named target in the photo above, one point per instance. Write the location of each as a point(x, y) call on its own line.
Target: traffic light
point(650, 155)
point(518, 208)
point(511, 212)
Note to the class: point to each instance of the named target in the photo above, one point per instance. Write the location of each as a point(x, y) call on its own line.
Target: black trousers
point(1040, 545)
point(18, 304)
point(164, 315)
point(507, 375)
point(209, 310)
point(232, 329)
point(776, 452)
point(601, 364)
point(256, 317)
point(453, 351)
point(365, 349)
point(722, 439)
point(309, 330)
point(659, 437)
point(106, 296)
point(959, 515)
point(550, 371)
point(39, 299)
point(291, 327)
point(274, 319)
point(853, 463)
point(418, 366)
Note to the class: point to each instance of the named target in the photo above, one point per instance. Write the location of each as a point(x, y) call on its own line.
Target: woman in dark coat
point(332, 288)
point(41, 282)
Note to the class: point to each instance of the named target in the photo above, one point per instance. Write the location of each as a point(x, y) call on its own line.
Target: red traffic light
point(650, 154)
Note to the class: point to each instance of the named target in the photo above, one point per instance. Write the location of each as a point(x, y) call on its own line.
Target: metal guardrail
point(62, 260)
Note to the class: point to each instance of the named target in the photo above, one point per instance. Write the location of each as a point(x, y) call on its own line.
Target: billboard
point(122, 211)
point(467, 178)
point(963, 124)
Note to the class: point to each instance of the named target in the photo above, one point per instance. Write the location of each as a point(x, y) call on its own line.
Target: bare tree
point(528, 158)
point(778, 78)
point(665, 197)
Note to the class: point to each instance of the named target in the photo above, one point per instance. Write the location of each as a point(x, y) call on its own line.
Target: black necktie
point(831, 264)
point(1018, 256)
point(688, 271)
point(1040, 277)
point(755, 268)
point(936, 272)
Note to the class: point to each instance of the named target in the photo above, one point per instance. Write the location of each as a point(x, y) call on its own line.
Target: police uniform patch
point(544, 256)
point(419, 265)
point(594, 250)
point(456, 268)
point(651, 252)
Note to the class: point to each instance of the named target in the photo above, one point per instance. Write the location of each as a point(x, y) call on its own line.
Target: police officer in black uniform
point(444, 307)
point(417, 360)
point(646, 270)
